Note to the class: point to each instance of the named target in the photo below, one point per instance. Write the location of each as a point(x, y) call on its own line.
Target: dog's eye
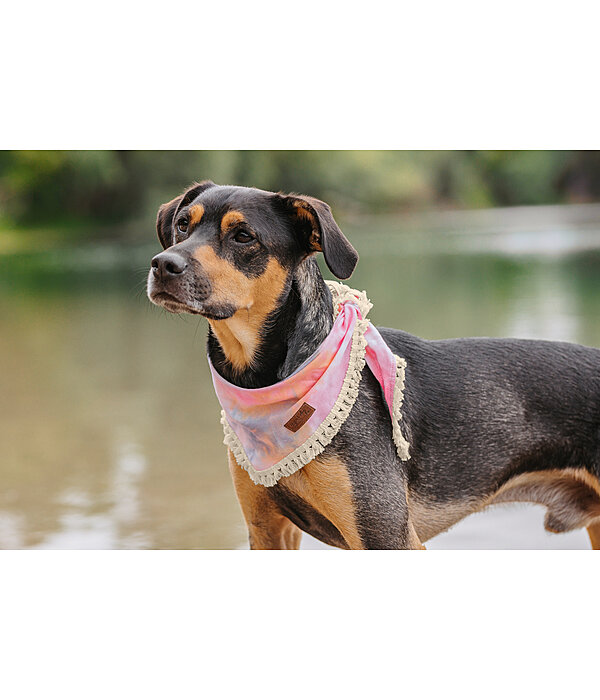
point(243, 237)
point(182, 224)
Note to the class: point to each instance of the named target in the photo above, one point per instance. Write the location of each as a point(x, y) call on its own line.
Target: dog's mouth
point(177, 306)
point(172, 303)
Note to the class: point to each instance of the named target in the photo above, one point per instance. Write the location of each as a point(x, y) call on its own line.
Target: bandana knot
point(275, 430)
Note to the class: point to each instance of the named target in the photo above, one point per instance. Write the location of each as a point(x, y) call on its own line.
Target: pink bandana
point(275, 430)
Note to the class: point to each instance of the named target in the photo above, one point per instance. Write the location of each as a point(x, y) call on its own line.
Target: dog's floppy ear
point(166, 213)
point(314, 221)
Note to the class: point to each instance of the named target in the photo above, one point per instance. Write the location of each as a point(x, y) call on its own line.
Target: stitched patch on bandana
point(299, 418)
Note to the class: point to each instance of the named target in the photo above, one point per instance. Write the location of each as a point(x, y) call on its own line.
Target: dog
point(488, 420)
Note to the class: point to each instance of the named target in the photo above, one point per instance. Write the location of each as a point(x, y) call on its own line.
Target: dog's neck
point(289, 335)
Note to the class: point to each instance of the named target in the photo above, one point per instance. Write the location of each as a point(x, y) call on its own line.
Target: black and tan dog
point(488, 420)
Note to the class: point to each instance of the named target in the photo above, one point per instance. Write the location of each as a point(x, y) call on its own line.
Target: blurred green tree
point(65, 186)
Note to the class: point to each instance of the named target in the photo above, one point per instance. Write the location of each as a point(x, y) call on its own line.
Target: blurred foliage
point(61, 187)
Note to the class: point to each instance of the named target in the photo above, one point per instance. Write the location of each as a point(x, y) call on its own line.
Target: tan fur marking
point(255, 298)
point(572, 496)
point(413, 541)
point(196, 213)
point(267, 527)
point(325, 485)
point(432, 518)
point(230, 219)
point(594, 534)
point(303, 213)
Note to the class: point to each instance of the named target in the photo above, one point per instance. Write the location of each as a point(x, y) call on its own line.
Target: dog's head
point(233, 248)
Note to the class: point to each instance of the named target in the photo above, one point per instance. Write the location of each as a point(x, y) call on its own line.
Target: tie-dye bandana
point(275, 430)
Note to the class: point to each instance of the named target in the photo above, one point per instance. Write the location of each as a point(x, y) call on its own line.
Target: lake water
point(108, 423)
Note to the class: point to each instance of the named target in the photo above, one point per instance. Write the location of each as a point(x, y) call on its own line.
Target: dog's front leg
point(267, 527)
point(389, 529)
point(381, 505)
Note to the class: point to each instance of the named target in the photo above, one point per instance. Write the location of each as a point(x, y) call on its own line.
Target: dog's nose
point(168, 264)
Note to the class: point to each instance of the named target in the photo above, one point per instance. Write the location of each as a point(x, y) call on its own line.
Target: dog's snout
point(168, 264)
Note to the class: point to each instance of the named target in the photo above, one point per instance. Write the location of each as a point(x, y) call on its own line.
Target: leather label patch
point(300, 417)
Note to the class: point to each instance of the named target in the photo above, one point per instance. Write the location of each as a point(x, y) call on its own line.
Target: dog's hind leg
point(571, 496)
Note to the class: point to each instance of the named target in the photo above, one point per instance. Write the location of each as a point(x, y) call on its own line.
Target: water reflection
point(109, 425)
point(545, 307)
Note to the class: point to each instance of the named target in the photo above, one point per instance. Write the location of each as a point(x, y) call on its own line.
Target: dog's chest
point(320, 500)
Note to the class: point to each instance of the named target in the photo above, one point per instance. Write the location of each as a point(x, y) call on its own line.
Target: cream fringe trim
point(399, 439)
point(342, 293)
point(329, 428)
point(324, 434)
